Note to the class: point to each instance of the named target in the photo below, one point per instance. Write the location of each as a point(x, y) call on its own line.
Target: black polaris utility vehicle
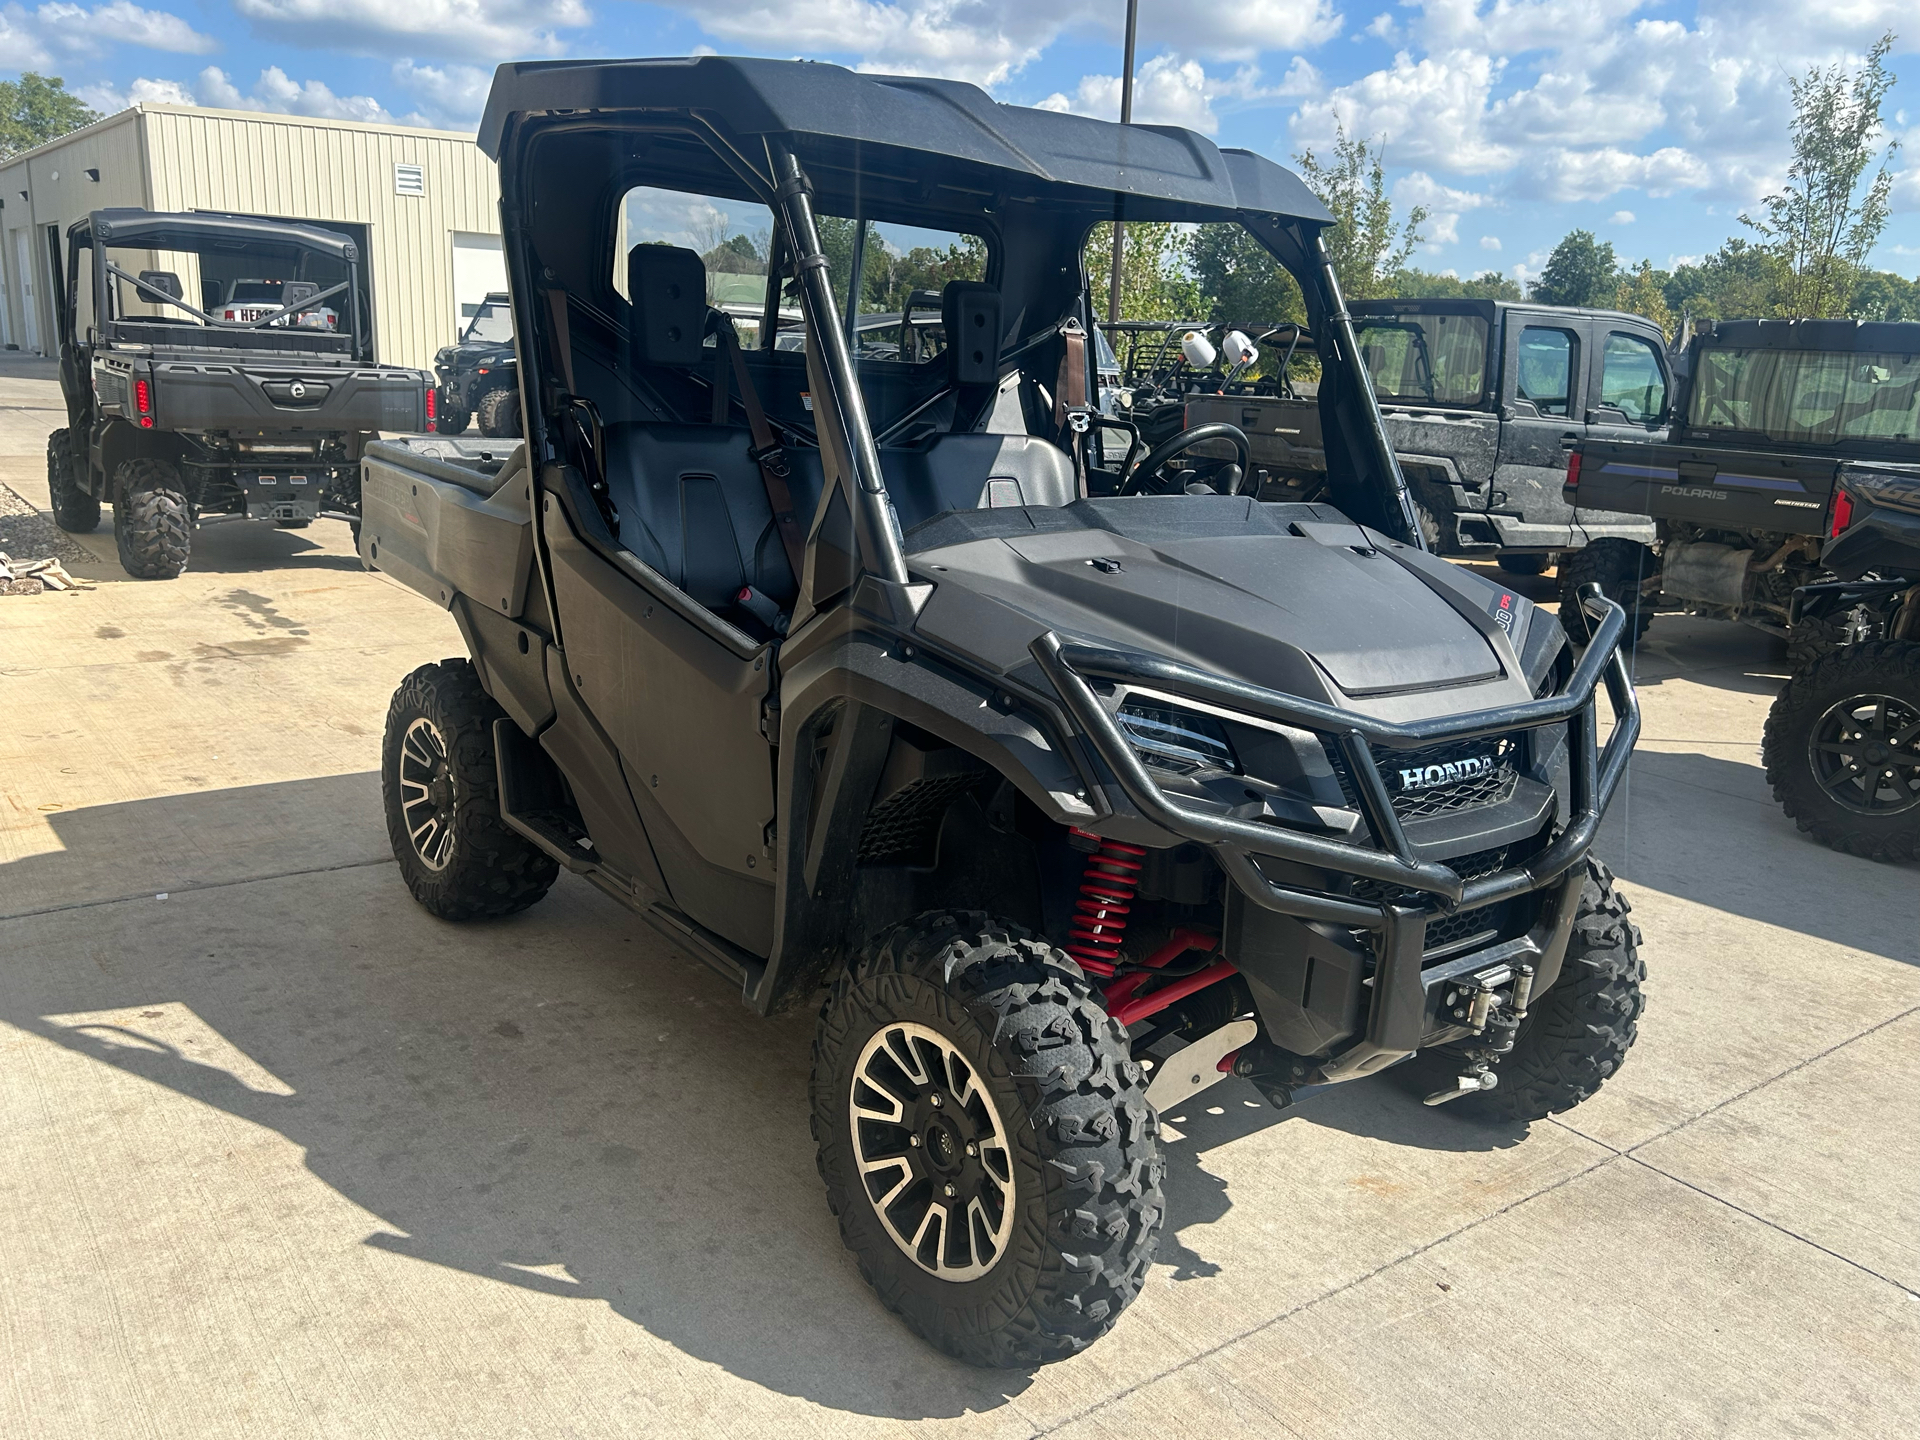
point(177, 416)
point(1843, 740)
point(477, 374)
point(1770, 414)
point(857, 676)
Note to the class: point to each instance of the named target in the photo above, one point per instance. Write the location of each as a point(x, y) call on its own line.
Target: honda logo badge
point(1429, 777)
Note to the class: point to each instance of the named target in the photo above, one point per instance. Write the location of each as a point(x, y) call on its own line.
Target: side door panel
point(1543, 392)
point(1628, 390)
point(684, 711)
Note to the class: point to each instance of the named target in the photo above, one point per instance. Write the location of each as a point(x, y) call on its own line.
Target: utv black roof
point(1899, 336)
point(938, 132)
point(196, 231)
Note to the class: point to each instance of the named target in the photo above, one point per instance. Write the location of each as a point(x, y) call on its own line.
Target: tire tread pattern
point(1881, 666)
point(1577, 1035)
point(494, 871)
point(1082, 1252)
point(152, 520)
point(1617, 566)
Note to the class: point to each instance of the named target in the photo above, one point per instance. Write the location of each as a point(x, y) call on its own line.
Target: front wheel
point(441, 792)
point(985, 1140)
point(499, 414)
point(1576, 1035)
point(1621, 569)
point(1842, 749)
point(74, 510)
point(452, 421)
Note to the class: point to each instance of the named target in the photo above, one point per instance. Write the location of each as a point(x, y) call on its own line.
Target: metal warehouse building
point(423, 205)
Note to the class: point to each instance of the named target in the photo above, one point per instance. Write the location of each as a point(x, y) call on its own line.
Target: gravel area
point(30, 534)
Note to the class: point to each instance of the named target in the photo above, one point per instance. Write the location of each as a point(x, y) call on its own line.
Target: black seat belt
point(766, 451)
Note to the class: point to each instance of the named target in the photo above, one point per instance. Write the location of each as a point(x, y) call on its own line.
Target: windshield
point(1430, 359)
point(492, 324)
point(1808, 397)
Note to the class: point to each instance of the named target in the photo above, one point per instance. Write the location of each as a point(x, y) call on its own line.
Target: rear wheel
point(499, 413)
point(1619, 568)
point(985, 1140)
point(74, 510)
point(452, 422)
point(1524, 564)
point(152, 520)
point(1842, 749)
point(441, 792)
point(1577, 1034)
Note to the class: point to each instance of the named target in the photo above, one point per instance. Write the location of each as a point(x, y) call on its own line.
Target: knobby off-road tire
point(1428, 522)
point(499, 414)
point(441, 792)
point(152, 520)
point(1051, 1071)
point(1619, 567)
point(452, 422)
point(1577, 1034)
point(1524, 564)
point(74, 510)
point(1812, 638)
point(1869, 691)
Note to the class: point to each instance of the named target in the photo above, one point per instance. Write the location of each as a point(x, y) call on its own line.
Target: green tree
point(1244, 285)
point(1823, 223)
point(1642, 291)
point(1737, 280)
point(1367, 246)
point(1882, 295)
point(1413, 284)
point(1580, 271)
point(1156, 276)
point(35, 109)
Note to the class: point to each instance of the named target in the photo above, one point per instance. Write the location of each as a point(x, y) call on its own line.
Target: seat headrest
point(163, 280)
point(295, 291)
point(970, 313)
point(668, 287)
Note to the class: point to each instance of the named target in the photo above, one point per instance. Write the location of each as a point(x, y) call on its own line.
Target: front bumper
point(1401, 1009)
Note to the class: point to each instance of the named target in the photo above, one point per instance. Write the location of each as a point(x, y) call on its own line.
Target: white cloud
point(474, 29)
point(1444, 204)
point(274, 92)
point(1489, 242)
point(1621, 217)
point(56, 33)
point(1170, 90)
point(1568, 99)
point(453, 94)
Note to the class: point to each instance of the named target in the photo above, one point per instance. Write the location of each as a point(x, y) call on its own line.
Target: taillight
point(1842, 513)
point(1573, 470)
point(228, 315)
point(430, 407)
point(143, 403)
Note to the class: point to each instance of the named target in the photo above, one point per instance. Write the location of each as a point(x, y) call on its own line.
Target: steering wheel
point(1152, 462)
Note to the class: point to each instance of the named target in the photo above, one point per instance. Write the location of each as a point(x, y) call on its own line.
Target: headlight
point(1184, 742)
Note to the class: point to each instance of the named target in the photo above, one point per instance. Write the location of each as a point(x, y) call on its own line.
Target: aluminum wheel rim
point(427, 806)
point(932, 1152)
point(1865, 754)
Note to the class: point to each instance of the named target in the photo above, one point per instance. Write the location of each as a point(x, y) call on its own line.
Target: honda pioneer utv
point(177, 415)
point(1771, 413)
point(859, 677)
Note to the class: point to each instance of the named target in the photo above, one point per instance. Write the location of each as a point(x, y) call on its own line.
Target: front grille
point(1440, 779)
point(1463, 927)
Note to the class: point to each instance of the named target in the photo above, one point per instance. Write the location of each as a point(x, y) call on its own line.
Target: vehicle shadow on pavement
point(237, 549)
point(1691, 825)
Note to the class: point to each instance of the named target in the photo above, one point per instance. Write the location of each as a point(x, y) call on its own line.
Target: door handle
point(1568, 441)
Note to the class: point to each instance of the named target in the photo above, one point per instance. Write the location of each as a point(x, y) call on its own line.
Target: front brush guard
point(1398, 1022)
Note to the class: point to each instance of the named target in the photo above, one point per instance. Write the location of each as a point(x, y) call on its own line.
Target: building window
point(409, 179)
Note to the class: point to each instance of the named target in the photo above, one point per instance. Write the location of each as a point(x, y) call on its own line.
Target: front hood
point(1294, 598)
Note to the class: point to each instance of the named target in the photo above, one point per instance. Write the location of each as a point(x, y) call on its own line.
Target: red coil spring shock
point(1106, 895)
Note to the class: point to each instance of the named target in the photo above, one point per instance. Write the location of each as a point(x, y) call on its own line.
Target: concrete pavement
point(280, 1154)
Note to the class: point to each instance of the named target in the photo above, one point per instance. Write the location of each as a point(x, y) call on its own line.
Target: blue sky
point(1651, 122)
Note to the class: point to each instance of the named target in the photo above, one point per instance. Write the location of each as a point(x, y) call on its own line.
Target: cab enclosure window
point(1631, 380)
point(1426, 359)
point(1807, 397)
point(1546, 370)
